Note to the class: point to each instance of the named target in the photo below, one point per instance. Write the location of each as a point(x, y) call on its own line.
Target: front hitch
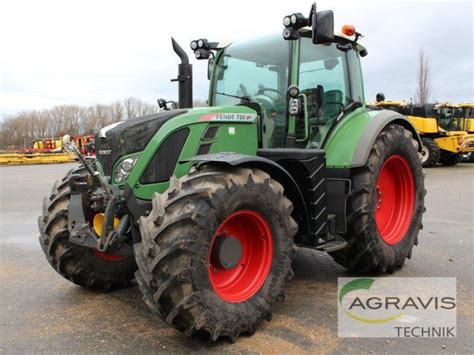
point(79, 227)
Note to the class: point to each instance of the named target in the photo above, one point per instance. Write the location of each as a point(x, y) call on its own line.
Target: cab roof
point(339, 37)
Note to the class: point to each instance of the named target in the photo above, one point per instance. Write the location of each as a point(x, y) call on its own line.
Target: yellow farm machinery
point(446, 130)
point(46, 151)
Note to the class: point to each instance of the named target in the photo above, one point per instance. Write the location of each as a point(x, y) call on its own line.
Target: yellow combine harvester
point(445, 131)
point(458, 117)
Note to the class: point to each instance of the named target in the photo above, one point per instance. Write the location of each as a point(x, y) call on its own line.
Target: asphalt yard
point(42, 312)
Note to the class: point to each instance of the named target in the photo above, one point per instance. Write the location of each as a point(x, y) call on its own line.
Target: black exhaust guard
point(185, 77)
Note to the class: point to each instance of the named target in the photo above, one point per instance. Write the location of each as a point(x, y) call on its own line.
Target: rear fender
point(373, 129)
point(350, 143)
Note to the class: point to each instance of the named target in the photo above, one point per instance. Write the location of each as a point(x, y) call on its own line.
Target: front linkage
point(95, 192)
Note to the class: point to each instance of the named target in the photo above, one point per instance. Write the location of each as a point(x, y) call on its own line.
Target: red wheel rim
point(244, 280)
point(396, 199)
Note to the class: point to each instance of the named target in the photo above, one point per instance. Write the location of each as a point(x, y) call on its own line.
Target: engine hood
point(127, 137)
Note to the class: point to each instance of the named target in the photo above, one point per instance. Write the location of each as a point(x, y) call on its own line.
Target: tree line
point(20, 130)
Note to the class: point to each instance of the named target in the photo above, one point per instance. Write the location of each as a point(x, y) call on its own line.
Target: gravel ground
point(41, 312)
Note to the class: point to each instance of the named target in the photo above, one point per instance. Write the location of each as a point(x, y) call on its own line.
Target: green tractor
point(205, 207)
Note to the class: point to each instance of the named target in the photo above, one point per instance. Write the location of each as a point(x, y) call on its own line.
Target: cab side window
point(323, 79)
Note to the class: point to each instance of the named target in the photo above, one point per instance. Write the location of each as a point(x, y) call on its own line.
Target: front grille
point(161, 167)
point(103, 154)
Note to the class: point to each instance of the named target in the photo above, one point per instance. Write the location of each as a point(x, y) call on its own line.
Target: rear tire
point(372, 248)
point(430, 153)
point(174, 255)
point(83, 266)
point(449, 159)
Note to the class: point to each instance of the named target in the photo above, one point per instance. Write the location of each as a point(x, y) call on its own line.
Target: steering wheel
point(262, 89)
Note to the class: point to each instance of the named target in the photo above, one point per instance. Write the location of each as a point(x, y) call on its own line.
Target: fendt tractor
point(205, 207)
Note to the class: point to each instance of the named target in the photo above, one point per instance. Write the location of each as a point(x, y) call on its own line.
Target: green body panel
point(343, 141)
point(232, 136)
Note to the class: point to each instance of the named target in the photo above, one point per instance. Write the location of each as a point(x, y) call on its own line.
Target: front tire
point(385, 206)
point(179, 278)
point(81, 265)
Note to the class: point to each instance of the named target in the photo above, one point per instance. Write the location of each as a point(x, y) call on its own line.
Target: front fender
point(276, 171)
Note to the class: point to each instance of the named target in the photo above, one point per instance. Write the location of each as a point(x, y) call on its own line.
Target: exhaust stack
point(185, 77)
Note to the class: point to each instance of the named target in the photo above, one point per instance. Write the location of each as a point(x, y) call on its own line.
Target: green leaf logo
point(362, 284)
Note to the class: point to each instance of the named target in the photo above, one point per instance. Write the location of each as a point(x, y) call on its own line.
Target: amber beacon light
point(348, 30)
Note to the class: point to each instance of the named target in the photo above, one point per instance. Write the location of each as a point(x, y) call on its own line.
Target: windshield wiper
point(243, 98)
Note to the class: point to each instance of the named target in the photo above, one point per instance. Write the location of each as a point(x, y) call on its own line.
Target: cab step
point(332, 245)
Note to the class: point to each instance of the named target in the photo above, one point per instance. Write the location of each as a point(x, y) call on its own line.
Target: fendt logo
point(397, 307)
point(233, 117)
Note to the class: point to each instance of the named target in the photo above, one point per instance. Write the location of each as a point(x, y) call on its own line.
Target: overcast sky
point(86, 52)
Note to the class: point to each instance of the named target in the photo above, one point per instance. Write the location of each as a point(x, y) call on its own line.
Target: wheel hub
point(227, 252)
point(425, 153)
point(395, 194)
point(240, 256)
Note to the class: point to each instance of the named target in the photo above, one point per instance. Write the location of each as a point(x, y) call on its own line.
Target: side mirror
point(323, 25)
point(210, 67)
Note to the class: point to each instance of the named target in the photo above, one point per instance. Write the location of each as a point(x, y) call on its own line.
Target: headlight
point(124, 169)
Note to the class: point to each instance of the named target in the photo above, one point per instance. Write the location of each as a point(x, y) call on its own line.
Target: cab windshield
point(256, 70)
point(451, 118)
point(251, 68)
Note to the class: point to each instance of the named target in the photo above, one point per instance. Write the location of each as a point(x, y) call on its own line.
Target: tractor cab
point(300, 85)
point(453, 117)
point(325, 78)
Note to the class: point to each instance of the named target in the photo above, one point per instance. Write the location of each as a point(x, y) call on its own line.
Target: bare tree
point(73, 116)
point(423, 89)
point(23, 128)
point(135, 107)
point(40, 123)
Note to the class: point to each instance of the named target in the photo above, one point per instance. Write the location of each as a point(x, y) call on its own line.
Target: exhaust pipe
point(185, 77)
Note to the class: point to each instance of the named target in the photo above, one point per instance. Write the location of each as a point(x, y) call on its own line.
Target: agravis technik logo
point(397, 307)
